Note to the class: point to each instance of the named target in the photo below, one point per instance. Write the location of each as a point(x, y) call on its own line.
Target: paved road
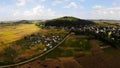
point(17, 64)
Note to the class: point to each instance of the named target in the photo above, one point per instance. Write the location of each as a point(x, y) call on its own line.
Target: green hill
point(23, 22)
point(67, 21)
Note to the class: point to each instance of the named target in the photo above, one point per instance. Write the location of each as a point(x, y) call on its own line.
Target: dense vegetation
point(66, 22)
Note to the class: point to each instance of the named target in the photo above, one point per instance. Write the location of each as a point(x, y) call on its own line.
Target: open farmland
point(106, 23)
point(21, 42)
point(12, 33)
point(72, 54)
point(63, 46)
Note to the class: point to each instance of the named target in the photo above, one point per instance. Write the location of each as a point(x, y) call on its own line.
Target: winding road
point(20, 63)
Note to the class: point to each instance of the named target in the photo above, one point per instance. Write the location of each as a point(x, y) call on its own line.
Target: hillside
point(10, 33)
point(106, 23)
point(23, 22)
point(67, 21)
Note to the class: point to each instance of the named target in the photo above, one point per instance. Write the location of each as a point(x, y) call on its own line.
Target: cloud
point(38, 12)
point(42, 0)
point(71, 5)
point(56, 2)
point(97, 7)
point(23, 2)
point(82, 0)
point(106, 13)
point(16, 13)
point(38, 9)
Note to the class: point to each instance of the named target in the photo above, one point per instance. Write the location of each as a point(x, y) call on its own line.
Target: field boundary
point(20, 63)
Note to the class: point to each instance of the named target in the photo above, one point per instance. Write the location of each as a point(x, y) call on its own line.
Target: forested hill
point(67, 21)
point(23, 22)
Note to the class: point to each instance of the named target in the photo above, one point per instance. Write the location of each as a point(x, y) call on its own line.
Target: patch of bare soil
point(52, 63)
point(100, 59)
point(70, 63)
point(95, 48)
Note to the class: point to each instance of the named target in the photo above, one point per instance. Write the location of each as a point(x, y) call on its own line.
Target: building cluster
point(48, 40)
point(111, 34)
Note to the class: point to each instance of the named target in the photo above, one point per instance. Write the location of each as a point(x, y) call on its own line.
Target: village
point(108, 34)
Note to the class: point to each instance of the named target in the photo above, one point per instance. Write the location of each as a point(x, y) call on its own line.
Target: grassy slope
point(9, 34)
point(12, 33)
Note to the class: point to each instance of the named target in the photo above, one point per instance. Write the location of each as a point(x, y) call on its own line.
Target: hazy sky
point(48, 9)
